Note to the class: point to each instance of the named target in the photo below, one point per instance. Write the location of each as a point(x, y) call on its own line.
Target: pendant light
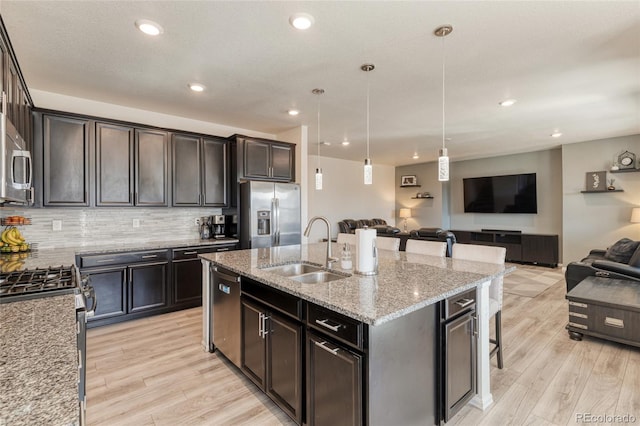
point(368, 167)
point(443, 157)
point(318, 92)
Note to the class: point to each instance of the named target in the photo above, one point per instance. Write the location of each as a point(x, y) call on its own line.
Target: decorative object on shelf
point(426, 195)
point(611, 187)
point(409, 180)
point(443, 157)
point(318, 92)
point(614, 166)
point(405, 214)
point(368, 167)
point(627, 160)
point(596, 181)
point(635, 215)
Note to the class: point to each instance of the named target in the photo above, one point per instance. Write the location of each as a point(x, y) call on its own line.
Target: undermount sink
point(306, 273)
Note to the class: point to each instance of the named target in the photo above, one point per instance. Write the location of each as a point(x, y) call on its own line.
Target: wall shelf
point(625, 171)
point(422, 198)
point(410, 186)
point(601, 192)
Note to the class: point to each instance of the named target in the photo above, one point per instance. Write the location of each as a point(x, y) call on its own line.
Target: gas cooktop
point(32, 283)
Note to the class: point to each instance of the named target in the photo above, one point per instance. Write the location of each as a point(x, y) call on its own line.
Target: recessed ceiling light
point(345, 142)
point(196, 87)
point(415, 156)
point(149, 27)
point(301, 21)
point(556, 134)
point(325, 143)
point(293, 112)
point(507, 102)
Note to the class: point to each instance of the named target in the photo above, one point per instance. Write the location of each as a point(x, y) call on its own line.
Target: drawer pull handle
point(150, 256)
point(323, 345)
point(105, 260)
point(614, 322)
point(576, 314)
point(223, 249)
point(190, 252)
point(324, 323)
point(463, 303)
point(573, 324)
point(578, 304)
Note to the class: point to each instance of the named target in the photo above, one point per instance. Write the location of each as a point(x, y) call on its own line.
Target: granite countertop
point(39, 362)
point(44, 258)
point(405, 282)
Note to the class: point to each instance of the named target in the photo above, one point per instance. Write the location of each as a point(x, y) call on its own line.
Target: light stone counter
point(405, 282)
point(39, 362)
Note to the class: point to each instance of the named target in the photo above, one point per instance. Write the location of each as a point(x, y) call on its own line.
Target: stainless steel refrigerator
point(269, 214)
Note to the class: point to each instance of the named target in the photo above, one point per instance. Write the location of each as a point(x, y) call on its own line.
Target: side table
point(605, 308)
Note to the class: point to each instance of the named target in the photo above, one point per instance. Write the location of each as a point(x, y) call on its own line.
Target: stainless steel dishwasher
point(225, 327)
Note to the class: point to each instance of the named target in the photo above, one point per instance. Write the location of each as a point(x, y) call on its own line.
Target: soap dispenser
point(345, 257)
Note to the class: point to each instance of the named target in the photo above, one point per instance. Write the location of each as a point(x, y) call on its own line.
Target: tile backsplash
point(95, 226)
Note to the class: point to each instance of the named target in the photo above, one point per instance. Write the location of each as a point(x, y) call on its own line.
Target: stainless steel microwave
point(16, 167)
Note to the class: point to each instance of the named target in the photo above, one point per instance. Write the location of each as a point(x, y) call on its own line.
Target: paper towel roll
point(365, 243)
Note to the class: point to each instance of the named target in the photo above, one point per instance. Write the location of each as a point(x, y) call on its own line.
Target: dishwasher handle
point(224, 276)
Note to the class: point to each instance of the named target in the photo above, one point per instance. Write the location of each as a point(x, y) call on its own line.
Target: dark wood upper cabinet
point(114, 165)
point(66, 161)
point(262, 159)
point(152, 168)
point(200, 175)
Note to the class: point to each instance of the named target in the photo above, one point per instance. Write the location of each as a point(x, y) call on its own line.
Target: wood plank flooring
point(154, 371)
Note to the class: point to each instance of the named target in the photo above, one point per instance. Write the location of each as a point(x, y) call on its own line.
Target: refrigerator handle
point(277, 221)
point(274, 222)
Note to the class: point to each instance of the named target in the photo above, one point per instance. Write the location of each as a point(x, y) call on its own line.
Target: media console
point(539, 249)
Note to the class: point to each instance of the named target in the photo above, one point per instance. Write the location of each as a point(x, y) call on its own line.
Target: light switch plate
point(56, 224)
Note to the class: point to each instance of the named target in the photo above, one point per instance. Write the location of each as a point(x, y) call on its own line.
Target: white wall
point(56, 101)
point(425, 213)
point(299, 136)
point(345, 196)
point(597, 220)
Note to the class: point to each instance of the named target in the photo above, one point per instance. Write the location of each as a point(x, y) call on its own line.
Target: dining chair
point(346, 238)
point(388, 243)
point(488, 254)
point(432, 248)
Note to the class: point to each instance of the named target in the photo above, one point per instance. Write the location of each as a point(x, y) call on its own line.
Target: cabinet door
point(214, 172)
point(114, 165)
point(187, 282)
point(66, 161)
point(257, 161)
point(152, 168)
point(253, 343)
point(110, 285)
point(186, 170)
point(334, 383)
point(284, 364)
point(540, 249)
point(4, 54)
point(147, 287)
point(282, 161)
point(459, 364)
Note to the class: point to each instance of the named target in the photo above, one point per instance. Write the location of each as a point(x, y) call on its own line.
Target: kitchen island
point(398, 310)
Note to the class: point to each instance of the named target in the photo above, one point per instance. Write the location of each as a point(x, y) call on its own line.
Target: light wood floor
point(154, 372)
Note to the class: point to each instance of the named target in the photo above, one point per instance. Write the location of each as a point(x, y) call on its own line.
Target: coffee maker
point(218, 226)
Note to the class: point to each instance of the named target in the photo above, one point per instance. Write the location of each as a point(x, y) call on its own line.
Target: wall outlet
point(56, 224)
point(136, 223)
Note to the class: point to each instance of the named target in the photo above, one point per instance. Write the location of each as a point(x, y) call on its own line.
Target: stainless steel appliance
point(225, 313)
point(15, 163)
point(218, 227)
point(269, 214)
point(53, 281)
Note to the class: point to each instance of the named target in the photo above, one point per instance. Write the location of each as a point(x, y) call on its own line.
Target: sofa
point(349, 226)
point(620, 261)
point(435, 234)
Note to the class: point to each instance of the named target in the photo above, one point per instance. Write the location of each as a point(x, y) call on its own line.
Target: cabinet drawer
point(615, 322)
point(276, 299)
point(193, 252)
point(460, 303)
point(89, 261)
point(336, 325)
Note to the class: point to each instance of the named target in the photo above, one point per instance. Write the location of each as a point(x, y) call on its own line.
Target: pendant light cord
point(443, 88)
point(367, 115)
point(318, 131)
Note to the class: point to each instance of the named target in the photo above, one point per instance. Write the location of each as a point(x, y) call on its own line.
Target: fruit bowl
point(12, 241)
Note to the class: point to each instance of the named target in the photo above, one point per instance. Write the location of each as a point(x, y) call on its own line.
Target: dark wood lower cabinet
point(110, 285)
point(272, 355)
point(148, 287)
point(334, 383)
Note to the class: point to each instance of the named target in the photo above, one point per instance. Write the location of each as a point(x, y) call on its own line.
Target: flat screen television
point(501, 194)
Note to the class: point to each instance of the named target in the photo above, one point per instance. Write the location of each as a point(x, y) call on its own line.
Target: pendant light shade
point(368, 167)
point(318, 92)
point(443, 157)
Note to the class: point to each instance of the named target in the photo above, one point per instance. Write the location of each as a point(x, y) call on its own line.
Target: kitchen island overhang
point(407, 286)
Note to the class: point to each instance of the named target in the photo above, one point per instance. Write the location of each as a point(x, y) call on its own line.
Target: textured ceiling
point(572, 66)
